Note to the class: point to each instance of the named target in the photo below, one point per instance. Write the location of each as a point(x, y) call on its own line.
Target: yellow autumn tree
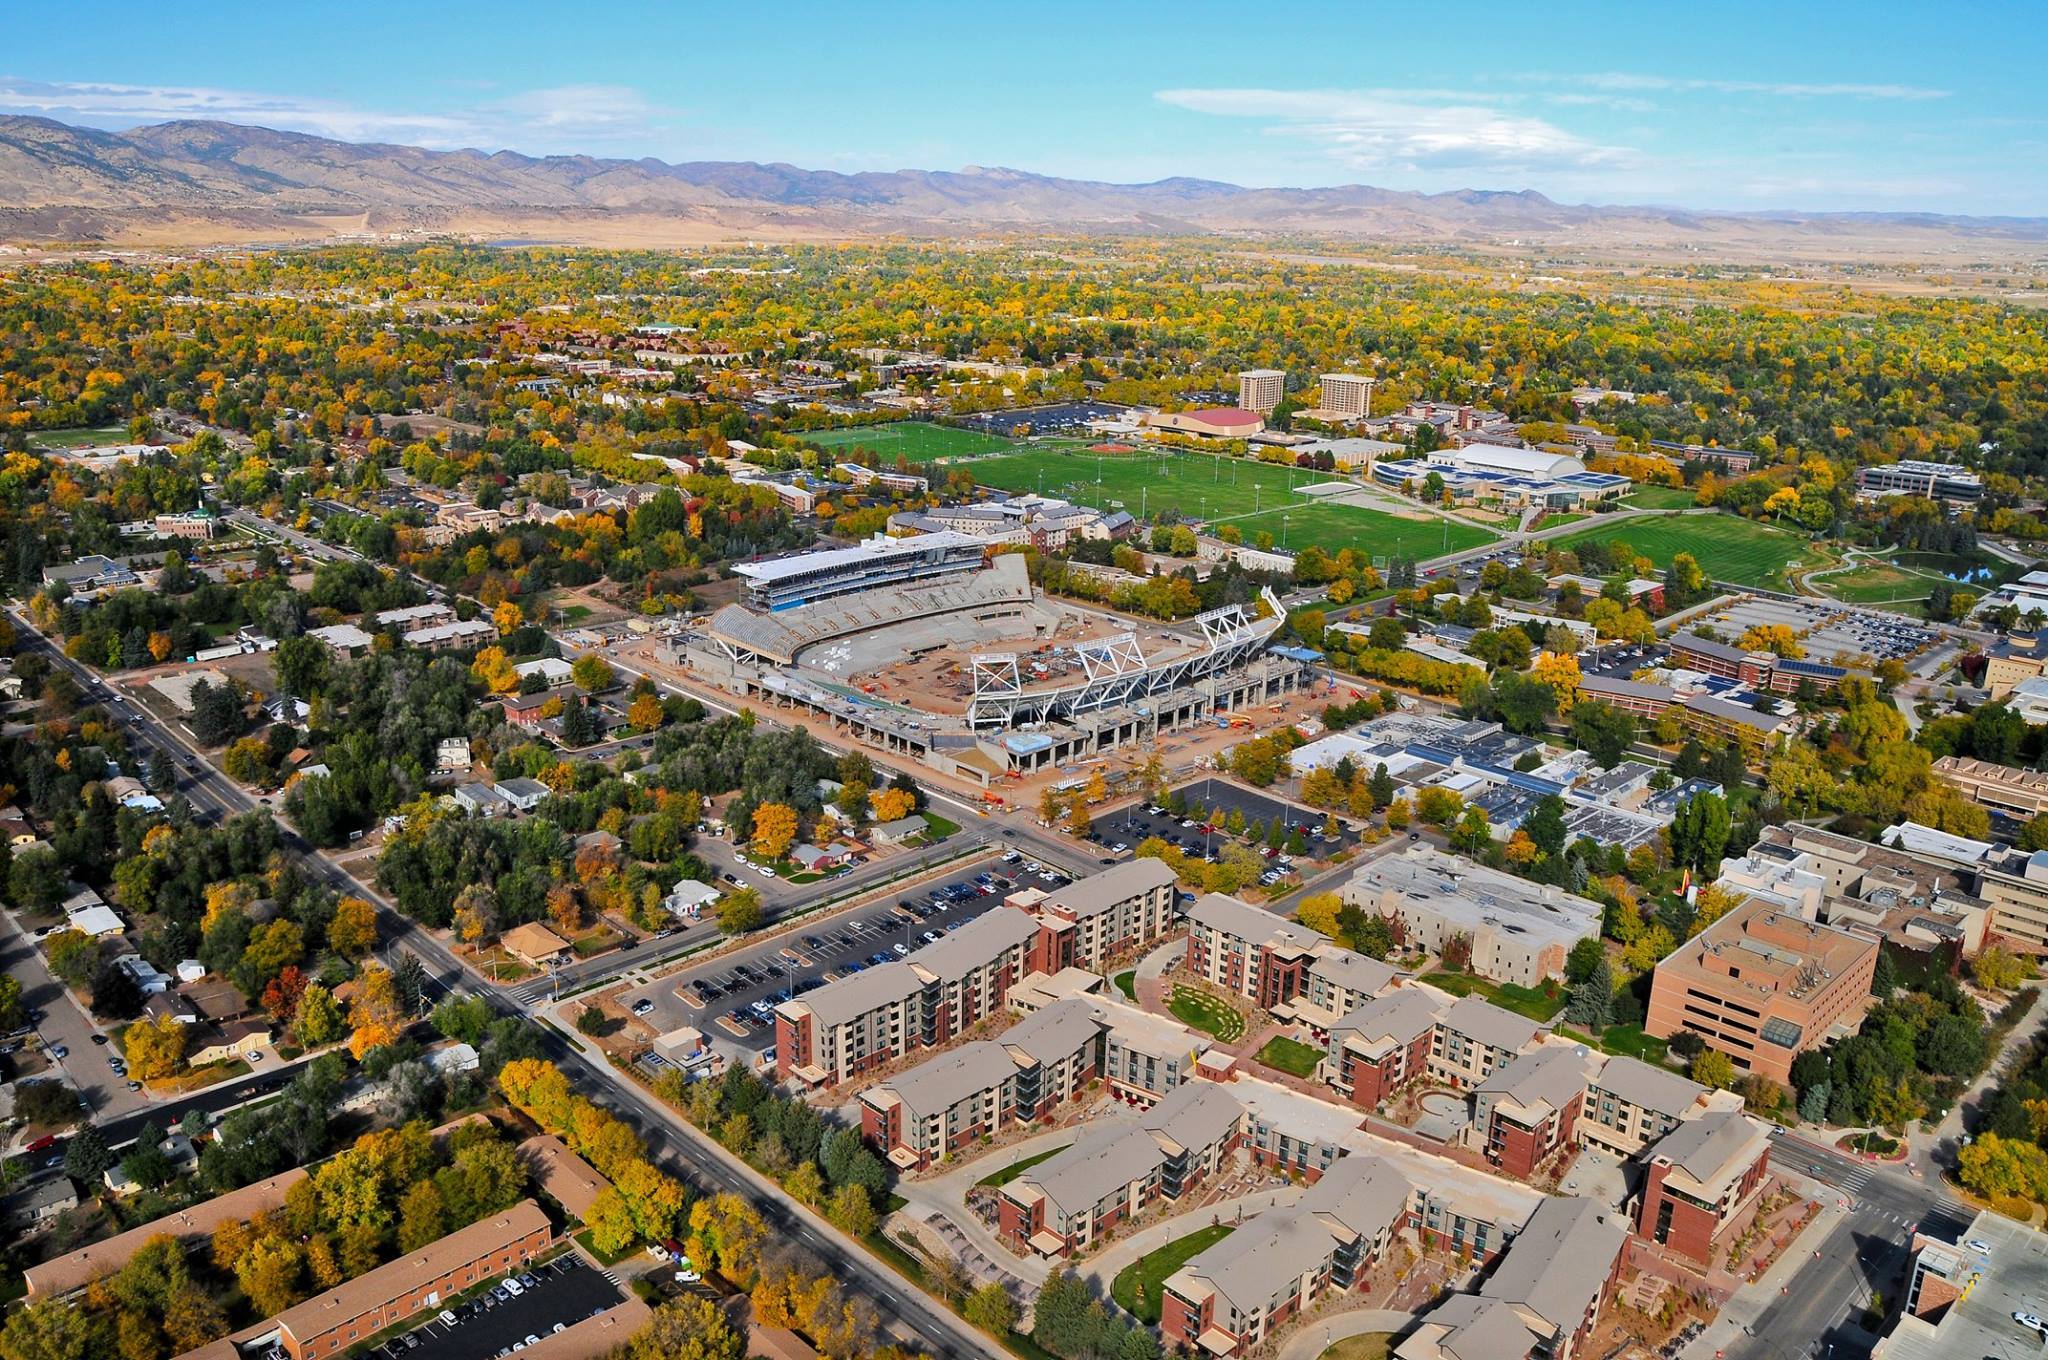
point(774, 829)
point(155, 1048)
point(892, 804)
point(495, 670)
point(375, 1017)
point(507, 617)
point(353, 931)
point(1561, 674)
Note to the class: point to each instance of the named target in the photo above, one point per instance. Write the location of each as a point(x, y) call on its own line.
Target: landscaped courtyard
point(1206, 1013)
point(1290, 1056)
point(1137, 1286)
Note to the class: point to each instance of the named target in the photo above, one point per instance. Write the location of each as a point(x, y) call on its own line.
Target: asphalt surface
point(1820, 1313)
point(847, 941)
point(569, 1290)
point(65, 1025)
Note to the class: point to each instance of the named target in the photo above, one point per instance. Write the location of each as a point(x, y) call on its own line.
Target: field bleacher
point(781, 636)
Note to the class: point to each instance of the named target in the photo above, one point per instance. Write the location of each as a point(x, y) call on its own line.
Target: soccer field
point(1728, 548)
point(78, 438)
point(1253, 496)
point(912, 438)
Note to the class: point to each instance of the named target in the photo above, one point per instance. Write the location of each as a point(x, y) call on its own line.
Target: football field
point(1253, 496)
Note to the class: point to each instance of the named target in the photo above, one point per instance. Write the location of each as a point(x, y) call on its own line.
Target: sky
point(1797, 104)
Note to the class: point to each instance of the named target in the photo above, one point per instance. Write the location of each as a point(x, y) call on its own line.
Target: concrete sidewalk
point(1317, 1337)
point(1749, 1302)
point(1100, 1269)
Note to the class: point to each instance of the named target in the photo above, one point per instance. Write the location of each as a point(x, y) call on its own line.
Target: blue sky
point(1876, 105)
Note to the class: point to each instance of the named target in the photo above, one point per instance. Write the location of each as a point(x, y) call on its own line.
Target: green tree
point(1713, 1068)
point(1603, 730)
point(739, 911)
point(1699, 832)
point(992, 1309)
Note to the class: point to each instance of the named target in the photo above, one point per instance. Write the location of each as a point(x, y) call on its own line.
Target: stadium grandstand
point(1003, 592)
point(779, 583)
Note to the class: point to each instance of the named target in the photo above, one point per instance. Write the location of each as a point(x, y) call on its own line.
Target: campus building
point(1704, 1183)
point(2005, 788)
point(1528, 1109)
point(1916, 477)
point(1519, 933)
point(1260, 389)
point(1764, 985)
point(1345, 396)
point(1383, 1045)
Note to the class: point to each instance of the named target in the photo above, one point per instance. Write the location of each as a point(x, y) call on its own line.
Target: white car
point(1979, 1245)
point(901, 948)
point(2030, 1322)
point(514, 1288)
point(655, 1250)
point(642, 1006)
point(686, 1275)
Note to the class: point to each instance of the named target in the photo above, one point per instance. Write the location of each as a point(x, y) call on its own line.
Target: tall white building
point(1346, 394)
point(1260, 389)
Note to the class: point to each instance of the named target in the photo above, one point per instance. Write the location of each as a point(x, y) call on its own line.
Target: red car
point(48, 1140)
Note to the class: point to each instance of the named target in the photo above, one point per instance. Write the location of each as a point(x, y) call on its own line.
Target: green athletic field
point(913, 439)
point(1728, 548)
point(1647, 497)
point(1253, 496)
point(80, 438)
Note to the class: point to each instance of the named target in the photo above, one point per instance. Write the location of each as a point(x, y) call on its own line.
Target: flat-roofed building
point(1520, 933)
point(1260, 389)
point(1383, 1045)
point(449, 637)
point(1763, 986)
point(414, 1285)
point(2006, 788)
point(1345, 395)
point(2015, 891)
point(1233, 1295)
point(779, 583)
point(1248, 950)
point(1527, 1111)
point(1144, 1056)
point(1918, 477)
point(1704, 1182)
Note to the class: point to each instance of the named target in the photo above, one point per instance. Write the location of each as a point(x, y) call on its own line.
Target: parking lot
point(1620, 662)
point(732, 998)
point(1130, 825)
point(563, 1293)
point(1829, 630)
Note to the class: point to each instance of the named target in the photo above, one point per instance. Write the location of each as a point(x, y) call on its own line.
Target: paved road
point(1866, 1252)
point(65, 1025)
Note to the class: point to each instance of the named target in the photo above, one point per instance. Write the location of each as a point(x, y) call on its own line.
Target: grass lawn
point(621, 1254)
point(80, 437)
point(1729, 548)
point(1370, 1346)
point(1153, 1267)
point(1206, 1013)
point(1127, 983)
point(1290, 1056)
point(1628, 1041)
point(1904, 580)
point(998, 1179)
point(1525, 1001)
point(1658, 498)
point(938, 827)
point(913, 439)
point(1253, 496)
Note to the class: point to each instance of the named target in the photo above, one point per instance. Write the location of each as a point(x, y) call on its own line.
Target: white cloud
point(1409, 131)
point(1619, 80)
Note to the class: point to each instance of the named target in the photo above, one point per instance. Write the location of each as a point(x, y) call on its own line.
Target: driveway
point(66, 1025)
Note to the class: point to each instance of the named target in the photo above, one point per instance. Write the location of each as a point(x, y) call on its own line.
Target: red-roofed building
point(1212, 422)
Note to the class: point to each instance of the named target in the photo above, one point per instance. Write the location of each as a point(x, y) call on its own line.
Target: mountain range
point(190, 182)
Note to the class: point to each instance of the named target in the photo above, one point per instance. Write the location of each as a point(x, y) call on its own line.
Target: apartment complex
point(1063, 1204)
point(1473, 1039)
point(872, 1017)
point(1231, 1296)
point(1528, 1110)
point(1519, 932)
point(1383, 1045)
point(1260, 389)
point(401, 1290)
point(1541, 1301)
point(1764, 985)
point(1704, 1183)
point(1249, 950)
point(1630, 1105)
point(926, 1114)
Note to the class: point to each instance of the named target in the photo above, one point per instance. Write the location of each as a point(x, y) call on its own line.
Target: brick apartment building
point(1543, 1299)
point(1250, 951)
point(1339, 982)
point(882, 1013)
point(1763, 986)
point(926, 1114)
point(1630, 1105)
point(1383, 1045)
point(416, 1283)
point(1528, 1110)
point(1473, 1038)
point(1230, 1297)
point(1063, 1204)
point(1704, 1183)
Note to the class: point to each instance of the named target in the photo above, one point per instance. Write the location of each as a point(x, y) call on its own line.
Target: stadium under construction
point(972, 671)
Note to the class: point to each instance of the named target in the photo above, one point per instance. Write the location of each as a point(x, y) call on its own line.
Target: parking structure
point(732, 998)
point(562, 1293)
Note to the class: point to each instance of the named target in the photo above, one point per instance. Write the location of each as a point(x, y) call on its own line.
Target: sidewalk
point(1100, 1269)
point(1749, 1302)
point(1312, 1340)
